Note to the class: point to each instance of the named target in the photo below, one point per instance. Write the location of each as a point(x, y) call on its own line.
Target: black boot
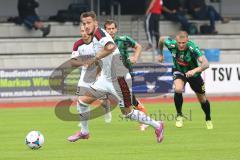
point(46, 30)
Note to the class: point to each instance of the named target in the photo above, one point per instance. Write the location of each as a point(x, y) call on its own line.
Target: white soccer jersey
point(112, 79)
point(82, 49)
point(100, 39)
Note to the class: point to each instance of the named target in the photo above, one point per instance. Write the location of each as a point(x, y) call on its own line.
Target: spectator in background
point(173, 11)
point(153, 13)
point(27, 12)
point(199, 10)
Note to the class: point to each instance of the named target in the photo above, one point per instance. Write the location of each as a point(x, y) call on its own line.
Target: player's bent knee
point(86, 99)
point(202, 98)
point(82, 107)
point(178, 90)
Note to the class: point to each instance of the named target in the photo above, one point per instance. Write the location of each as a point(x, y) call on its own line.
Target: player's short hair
point(109, 22)
point(182, 34)
point(88, 14)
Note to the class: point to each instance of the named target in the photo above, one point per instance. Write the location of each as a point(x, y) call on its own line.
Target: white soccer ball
point(34, 140)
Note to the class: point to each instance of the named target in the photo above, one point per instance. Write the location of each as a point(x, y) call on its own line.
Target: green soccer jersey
point(184, 61)
point(123, 43)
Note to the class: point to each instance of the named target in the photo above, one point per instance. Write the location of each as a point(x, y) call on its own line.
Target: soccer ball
point(34, 140)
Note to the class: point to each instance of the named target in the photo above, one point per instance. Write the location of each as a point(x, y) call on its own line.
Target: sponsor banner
point(221, 79)
point(152, 78)
point(30, 82)
point(148, 78)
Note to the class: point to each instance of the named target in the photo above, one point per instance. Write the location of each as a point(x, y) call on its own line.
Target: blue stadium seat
point(212, 55)
point(167, 56)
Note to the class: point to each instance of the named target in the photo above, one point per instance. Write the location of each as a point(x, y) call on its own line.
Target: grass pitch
point(121, 139)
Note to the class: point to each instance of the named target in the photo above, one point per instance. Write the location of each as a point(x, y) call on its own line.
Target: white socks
point(83, 109)
point(142, 118)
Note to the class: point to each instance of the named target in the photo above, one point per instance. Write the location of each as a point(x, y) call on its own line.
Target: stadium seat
point(167, 56)
point(213, 55)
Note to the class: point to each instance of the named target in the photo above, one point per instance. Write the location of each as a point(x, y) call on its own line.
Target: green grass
point(121, 139)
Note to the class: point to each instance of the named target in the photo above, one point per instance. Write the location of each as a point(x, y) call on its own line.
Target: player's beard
point(112, 35)
point(92, 33)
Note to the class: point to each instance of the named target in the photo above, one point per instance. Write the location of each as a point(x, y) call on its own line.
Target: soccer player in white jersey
point(83, 48)
point(112, 79)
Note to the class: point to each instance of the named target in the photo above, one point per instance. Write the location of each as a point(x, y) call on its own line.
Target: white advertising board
point(220, 79)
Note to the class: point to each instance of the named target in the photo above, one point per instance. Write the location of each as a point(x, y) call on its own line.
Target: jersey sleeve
point(170, 43)
point(102, 38)
point(131, 42)
point(105, 41)
point(75, 52)
point(194, 49)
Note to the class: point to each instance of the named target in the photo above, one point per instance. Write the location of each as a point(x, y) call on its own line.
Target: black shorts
point(196, 83)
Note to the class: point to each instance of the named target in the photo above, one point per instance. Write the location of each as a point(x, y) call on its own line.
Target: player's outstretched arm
point(137, 53)
point(161, 45)
point(76, 62)
point(107, 50)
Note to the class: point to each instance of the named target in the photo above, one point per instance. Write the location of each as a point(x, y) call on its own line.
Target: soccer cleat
point(77, 136)
point(209, 124)
point(159, 132)
point(143, 127)
point(179, 121)
point(46, 30)
point(108, 117)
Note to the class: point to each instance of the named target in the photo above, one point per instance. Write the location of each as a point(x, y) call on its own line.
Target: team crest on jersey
point(173, 45)
point(181, 57)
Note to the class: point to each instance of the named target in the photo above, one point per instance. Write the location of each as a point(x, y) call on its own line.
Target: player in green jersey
point(188, 63)
point(124, 43)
